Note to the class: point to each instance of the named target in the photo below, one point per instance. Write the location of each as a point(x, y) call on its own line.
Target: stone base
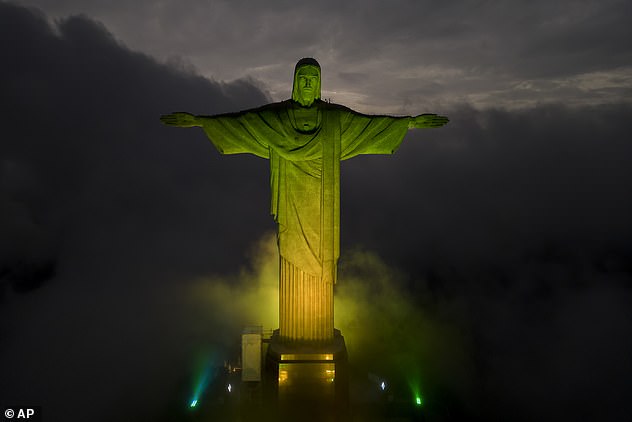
point(310, 381)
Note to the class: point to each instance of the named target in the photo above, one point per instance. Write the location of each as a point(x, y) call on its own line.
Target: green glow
point(415, 388)
point(201, 384)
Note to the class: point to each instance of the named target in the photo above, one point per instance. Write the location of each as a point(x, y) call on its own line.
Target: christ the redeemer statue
point(305, 139)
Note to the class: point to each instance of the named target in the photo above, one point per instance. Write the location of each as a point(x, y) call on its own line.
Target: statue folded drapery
point(305, 188)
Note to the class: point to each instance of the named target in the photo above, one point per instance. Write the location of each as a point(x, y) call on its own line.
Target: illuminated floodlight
point(418, 401)
point(383, 386)
point(229, 388)
point(203, 379)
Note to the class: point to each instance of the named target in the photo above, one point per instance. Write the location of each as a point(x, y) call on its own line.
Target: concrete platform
point(308, 381)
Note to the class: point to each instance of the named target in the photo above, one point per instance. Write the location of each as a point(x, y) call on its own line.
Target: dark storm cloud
point(494, 179)
point(509, 232)
point(80, 127)
point(485, 53)
point(490, 54)
point(524, 39)
point(515, 229)
point(104, 210)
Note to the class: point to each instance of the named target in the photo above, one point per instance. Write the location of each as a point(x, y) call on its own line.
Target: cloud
point(492, 181)
point(83, 147)
point(513, 230)
point(106, 214)
point(483, 49)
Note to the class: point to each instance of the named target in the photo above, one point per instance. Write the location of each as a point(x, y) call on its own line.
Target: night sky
point(493, 256)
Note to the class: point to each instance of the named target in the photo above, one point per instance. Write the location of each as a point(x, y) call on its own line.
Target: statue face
point(308, 80)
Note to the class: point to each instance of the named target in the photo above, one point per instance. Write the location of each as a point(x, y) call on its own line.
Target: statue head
point(306, 87)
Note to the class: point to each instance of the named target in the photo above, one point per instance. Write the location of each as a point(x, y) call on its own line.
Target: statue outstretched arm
point(231, 133)
point(181, 119)
point(427, 121)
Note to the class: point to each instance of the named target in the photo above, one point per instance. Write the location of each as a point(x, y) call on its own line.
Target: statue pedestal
point(311, 379)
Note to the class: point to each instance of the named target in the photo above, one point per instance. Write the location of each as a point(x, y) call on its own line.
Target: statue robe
point(305, 188)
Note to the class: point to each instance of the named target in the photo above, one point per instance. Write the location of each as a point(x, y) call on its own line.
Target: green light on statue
point(418, 401)
point(305, 139)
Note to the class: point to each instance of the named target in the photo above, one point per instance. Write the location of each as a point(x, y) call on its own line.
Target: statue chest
point(306, 130)
point(306, 120)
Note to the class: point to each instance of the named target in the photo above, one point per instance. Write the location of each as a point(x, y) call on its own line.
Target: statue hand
point(180, 119)
point(427, 121)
